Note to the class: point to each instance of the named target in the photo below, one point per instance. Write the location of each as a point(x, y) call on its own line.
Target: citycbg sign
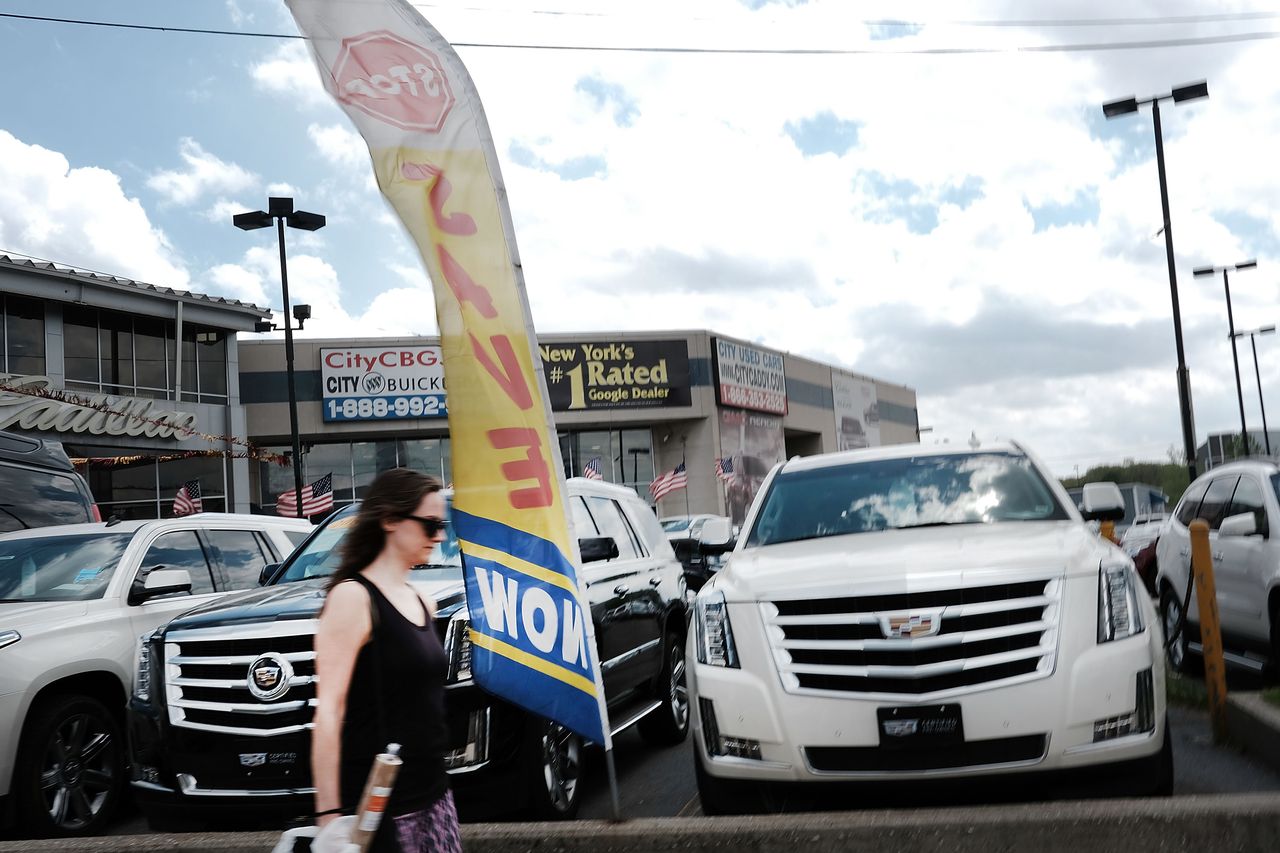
point(382, 383)
point(616, 375)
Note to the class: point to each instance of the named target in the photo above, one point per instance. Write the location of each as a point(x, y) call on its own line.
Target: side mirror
point(716, 531)
point(598, 548)
point(1102, 502)
point(160, 581)
point(1244, 524)
point(268, 572)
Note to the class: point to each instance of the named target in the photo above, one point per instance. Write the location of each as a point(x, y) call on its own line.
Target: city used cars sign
point(382, 383)
point(750, 378)
point(616, 375)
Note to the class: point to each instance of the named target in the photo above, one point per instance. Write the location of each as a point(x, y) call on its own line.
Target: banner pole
point(613, 785)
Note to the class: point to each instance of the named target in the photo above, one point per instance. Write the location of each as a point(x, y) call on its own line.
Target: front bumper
point(1042, 725)
point(213, 776)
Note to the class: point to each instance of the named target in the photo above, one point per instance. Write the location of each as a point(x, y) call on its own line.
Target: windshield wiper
point(936, 524)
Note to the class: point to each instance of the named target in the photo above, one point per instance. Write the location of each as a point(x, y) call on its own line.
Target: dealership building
point(139, 383)
point(148, 388)
point(633, 405)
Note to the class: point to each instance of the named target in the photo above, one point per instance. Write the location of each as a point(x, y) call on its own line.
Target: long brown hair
point(393, 495)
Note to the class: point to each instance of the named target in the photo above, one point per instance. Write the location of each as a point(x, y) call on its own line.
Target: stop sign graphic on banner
point(394, 80)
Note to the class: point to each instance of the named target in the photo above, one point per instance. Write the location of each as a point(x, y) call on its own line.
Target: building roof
point(115, 281)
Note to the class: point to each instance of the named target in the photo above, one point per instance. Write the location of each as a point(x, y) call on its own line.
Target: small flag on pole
point(724, 467)
point(669, 482)
point(316, 498)
point(593, 470)
point(187, 500)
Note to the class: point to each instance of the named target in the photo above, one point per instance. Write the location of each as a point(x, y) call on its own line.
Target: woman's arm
point(344, 627)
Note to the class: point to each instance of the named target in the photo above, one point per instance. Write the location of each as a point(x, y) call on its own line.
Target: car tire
point(720, 796)
point(1176, 652)
point(1163, 767)
point(668, 724)
point(554, 761)
point(71, 774)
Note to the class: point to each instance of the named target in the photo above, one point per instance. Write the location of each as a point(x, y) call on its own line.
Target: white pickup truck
point(73, 601)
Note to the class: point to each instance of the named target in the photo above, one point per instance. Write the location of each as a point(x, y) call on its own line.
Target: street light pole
point(280, 210)
point(1231, 332)
point(1124, 106)
point(1253, 334)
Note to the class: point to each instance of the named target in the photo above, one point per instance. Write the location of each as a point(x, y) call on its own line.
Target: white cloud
point(205, 173)
point(281, 189)
point(79, 216)
point(340, 146)
point(289, 73)
point(223, 209)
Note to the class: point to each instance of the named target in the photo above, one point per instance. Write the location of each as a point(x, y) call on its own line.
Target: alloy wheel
point(561, 765)
point(678, 691)
point(78, 772)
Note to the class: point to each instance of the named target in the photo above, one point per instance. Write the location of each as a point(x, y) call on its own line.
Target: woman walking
point(380, 670)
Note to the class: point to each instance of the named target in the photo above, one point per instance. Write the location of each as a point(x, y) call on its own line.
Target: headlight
point(142, 676)
point(457, 647)
point(715, 635)
point(1119, 608)
point(8, 638)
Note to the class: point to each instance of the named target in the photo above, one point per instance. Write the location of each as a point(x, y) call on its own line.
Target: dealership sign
point(382, 383)
point(612, 375)
point(750, 378)
point(102, 414)
point(857, 412)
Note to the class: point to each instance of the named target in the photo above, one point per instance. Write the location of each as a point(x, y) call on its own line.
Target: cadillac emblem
point(906, 626)
point(269, 677)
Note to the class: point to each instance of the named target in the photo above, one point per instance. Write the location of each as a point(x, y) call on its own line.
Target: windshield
point(59, 568)
point(889, 494)
point(320, 556)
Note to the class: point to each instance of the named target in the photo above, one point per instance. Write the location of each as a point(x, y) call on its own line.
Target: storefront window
point(129, 483)
point(626, 456)
point(151, 355)
point(369, 459)
point(115, 352)
point(321, 459)
point(427, 455)
point(23, 331)
point(80, 346)
point(211, 355)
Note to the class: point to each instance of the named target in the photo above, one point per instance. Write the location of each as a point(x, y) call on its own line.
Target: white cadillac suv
point(909, 613)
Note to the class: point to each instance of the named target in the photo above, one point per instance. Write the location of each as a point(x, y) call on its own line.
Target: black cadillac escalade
point(220, 712)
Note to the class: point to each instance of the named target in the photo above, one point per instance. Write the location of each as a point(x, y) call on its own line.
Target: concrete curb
point(1253, 724)
point(1238, 822)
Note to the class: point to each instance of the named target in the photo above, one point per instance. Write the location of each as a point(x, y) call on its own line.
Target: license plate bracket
point(920, 726)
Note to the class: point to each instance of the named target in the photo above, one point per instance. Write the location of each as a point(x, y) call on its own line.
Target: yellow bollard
point(1107, 530)
point(1215, 676)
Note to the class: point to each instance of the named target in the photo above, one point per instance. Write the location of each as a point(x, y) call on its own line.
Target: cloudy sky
point(940, 204)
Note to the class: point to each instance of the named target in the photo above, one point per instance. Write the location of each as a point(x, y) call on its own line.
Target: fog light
point(1141, 721)
point(143, 773)
point(740, 747)
point(476, 751)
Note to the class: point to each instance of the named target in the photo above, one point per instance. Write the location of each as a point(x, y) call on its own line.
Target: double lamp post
point(280, 211)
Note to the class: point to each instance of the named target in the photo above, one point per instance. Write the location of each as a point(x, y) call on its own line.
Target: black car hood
point(299, 600)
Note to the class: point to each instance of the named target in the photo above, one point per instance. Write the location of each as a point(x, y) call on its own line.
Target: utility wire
point(1147, 44)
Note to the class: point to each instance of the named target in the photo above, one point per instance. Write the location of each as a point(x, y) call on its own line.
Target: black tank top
point(401, 669)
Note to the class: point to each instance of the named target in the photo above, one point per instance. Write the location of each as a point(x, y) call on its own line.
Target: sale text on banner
point(750, 378)
point(611, 375)
point(382, 383)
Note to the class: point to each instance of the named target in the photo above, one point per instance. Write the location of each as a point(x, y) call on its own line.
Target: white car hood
point(898, 561)
point(26, 616)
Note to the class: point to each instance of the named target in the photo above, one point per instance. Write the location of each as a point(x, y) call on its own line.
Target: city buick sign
point(750, 378)
point(382, 383)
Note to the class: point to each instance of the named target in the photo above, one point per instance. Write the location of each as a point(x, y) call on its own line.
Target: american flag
point(316, 498)
point(677, 478)
point(593, 470)
point(187, 500)
point(724, 467)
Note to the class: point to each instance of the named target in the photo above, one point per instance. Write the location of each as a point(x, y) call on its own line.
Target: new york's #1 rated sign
point(382, 383)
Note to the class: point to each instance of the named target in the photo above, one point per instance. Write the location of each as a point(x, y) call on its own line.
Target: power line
point(1147, 44)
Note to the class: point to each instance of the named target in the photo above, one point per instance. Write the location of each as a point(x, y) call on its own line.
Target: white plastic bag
point(334, 838)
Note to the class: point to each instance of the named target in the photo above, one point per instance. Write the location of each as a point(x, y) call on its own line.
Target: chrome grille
point(206, 675)
point(918, 643)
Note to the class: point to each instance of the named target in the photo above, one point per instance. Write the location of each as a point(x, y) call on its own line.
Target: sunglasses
point(430, 524)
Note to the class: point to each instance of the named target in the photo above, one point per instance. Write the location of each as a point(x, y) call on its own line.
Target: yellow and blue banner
point(414, 103)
